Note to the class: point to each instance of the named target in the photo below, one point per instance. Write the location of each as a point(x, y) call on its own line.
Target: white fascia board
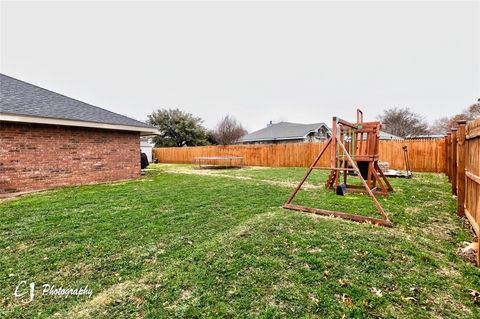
point(144, 131)
point(319, 127)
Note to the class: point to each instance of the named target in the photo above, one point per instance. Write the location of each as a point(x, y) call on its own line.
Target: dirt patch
point(185, 298)
point(120, 291)
point(241, 229)
point(78, 270)
point(97, 303)
point(286, 184)
point(20, 247)
point(468, 251)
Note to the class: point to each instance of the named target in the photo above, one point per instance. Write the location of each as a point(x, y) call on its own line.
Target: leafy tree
point(211, 137)
point(403, 122)
point(228, 131)
point(177, 128)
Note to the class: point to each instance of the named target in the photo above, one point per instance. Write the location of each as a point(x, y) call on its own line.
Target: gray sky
point(259, 61)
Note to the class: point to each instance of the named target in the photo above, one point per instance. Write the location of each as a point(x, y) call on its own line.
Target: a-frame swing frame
point(362, 142)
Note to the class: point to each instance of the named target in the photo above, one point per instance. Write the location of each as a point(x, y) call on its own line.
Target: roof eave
point(313, 131)
point(273, 139)
point(144, 131)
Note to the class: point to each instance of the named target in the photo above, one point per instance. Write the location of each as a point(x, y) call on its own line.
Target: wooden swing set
point(354, 148)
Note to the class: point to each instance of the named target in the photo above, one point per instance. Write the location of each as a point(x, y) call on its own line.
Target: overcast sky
point(258, 61)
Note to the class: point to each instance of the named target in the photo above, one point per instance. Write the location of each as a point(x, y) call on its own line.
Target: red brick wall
point(35, 156)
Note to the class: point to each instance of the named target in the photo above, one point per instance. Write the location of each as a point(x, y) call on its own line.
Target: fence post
point(445, 139)
point(453, 159)
point(461, 168)
point(448, 146)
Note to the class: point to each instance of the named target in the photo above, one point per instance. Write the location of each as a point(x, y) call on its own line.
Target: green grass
point(178, 244)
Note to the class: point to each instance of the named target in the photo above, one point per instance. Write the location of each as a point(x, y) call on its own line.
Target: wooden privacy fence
point(425, 155)
point(463, 171)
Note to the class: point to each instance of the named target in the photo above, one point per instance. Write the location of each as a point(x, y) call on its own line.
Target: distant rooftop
point(388, 136)
point(294, 131)
point(282, 131)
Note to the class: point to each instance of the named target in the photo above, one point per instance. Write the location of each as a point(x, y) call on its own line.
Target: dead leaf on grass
point(475, 294)
point(377, 292)
point(468, 251)
point(347, 299)
point(409, 299)
point(414, 289)
point(313, 298)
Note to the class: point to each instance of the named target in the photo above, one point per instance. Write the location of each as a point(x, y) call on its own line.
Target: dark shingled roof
point(282, 131)
point(21, 98)
point(287, 130)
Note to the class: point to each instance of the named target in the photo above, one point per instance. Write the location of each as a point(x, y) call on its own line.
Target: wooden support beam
point(354, 186)
point(379, 170)
point(334, 169)
point(473, 177)
point(361, 191)
point(356, 218)
point(473, 222)
point(333, 148)
point(377, 178)
point(359, 116)
point(309, 171)
point(354, 165)
point(331, 178)
point(346, 123)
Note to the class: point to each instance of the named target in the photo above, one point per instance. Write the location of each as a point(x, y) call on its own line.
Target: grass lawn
point(190, 243)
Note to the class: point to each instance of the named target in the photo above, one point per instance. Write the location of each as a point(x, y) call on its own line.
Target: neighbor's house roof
point(388, 136)
point(294, 131)
point(282, 131)
point(24, 102)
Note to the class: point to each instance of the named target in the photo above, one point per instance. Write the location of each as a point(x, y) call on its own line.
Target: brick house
point(49, 140)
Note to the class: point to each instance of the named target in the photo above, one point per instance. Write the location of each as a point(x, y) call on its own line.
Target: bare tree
point(445, 124)
point(440, 126)
point(403, 122)
point(474, 110)
point(228, 131)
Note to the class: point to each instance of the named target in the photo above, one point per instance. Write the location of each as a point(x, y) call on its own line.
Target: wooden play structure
point(354, 148)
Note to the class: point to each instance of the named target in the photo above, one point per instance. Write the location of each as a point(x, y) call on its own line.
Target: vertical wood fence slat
point(461, 168)
point(447, 155)
point(453, 160)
